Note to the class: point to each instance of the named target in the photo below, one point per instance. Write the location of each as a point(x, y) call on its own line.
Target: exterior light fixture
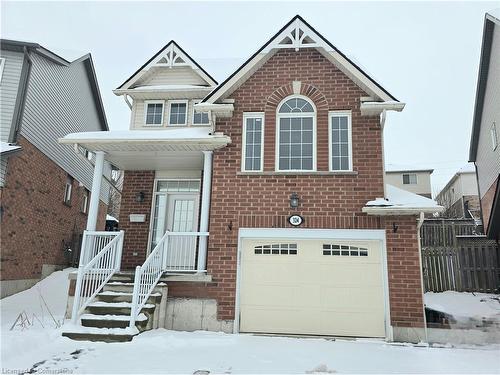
point(139, 197)
point(294, 201)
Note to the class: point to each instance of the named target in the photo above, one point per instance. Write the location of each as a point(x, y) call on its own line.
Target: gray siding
point(59, 101)
point(487, 160)
point(8, 94)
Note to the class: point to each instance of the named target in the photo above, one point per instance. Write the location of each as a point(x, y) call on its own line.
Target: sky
point(424, 53)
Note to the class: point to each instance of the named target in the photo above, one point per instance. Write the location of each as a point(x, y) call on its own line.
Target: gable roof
point(20, 46)
point(490, 22)
point(297, 33)
point(167, 53)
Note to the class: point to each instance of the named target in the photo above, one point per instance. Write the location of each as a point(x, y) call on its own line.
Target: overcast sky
point(425, 53)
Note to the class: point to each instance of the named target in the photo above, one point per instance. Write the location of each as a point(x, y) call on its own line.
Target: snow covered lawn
point(464, 307)
point(44, 350)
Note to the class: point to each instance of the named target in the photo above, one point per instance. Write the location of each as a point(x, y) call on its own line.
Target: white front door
point(182, 216)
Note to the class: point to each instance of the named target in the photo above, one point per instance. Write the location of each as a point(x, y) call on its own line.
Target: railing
point(176, 251)
point(100, 258)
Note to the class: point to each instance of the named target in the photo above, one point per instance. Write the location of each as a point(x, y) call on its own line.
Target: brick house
point(44, 186)
point(485, 139)
point(260, 202)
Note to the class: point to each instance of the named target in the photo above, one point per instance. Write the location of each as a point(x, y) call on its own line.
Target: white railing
point(100, 258)
point(176, 251)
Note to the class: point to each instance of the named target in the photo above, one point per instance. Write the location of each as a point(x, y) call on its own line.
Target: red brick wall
point(403, 266)
point(487, 203)
point(35, 221)
point(136, 234)
point(327, 200)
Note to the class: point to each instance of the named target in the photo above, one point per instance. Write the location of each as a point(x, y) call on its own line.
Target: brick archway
point(305, 89)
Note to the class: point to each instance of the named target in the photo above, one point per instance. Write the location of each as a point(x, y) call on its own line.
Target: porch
point(175, 218)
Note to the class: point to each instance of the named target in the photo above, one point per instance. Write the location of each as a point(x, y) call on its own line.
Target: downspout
point(419, 225)
point(21, 97)
point(125, 97)
point(382, 124)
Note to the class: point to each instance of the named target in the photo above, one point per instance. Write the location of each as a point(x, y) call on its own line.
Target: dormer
point(162, 92)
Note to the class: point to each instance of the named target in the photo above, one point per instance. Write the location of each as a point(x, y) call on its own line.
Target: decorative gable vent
point(298, 35)
point(171, 57)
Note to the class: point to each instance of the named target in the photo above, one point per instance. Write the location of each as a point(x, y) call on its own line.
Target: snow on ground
point(464, 306)
point(44, 350)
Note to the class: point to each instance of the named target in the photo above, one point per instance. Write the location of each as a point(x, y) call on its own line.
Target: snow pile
point(464, 306)
point(400, 199)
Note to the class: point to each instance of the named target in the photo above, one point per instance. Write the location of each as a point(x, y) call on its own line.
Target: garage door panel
point(312, 292)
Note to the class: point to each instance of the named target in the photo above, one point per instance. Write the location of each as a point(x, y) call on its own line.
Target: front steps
point(107, 317)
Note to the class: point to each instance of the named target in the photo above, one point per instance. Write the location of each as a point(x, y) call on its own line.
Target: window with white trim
point(494, 136)
point(85, 201)
point(68, 190)
point(2, 66)
point(340, 141)
point(253, 142)
point(154, 113)
point(200, 118)
point(296, 138)
point(178, 113)
point(409, 178)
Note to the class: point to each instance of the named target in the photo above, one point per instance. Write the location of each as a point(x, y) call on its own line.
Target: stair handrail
point(147, 276)
point(97, 272)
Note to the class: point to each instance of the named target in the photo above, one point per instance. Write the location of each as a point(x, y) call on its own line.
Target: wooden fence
point(455, 259)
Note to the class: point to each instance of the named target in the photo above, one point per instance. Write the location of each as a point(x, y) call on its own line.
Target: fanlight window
point(295, 105)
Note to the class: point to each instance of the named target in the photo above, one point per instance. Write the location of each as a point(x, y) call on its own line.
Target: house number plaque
point(295, 220)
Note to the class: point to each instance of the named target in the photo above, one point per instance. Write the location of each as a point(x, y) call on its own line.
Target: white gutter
point(216, 139)
point(375, 108)
point(395, 210)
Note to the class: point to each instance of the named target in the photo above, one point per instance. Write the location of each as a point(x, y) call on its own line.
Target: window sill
point(310, 173)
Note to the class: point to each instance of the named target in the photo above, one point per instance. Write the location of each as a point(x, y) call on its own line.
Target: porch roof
point(151, 149)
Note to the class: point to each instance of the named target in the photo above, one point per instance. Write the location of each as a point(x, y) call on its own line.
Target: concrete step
point(127, 287)
point(100, 334)
point(116, 308)
point(113, 321)
point(114, 296)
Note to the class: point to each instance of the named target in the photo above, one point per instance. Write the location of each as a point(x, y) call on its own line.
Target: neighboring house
point(416, 181)
point(264, 203)
point(485, 140)
point(45, 187)
point(459, 197)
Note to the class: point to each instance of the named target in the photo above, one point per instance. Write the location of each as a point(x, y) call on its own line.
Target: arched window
point(296, 135)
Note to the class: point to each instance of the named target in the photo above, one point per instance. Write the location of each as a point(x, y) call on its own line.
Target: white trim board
point(306, 233)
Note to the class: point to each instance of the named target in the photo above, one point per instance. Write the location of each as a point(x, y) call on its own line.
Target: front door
point(182, 215)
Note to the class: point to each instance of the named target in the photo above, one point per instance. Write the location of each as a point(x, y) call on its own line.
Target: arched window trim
point(294, 115)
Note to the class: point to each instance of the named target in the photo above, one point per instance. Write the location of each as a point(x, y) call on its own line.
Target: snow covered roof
point(7, 148)
point(401, 202)
point(150, 149)
point(400, 168)
point(468, 168)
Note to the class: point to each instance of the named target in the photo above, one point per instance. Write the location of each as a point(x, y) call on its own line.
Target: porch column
point(205, 209)
point(96, 191)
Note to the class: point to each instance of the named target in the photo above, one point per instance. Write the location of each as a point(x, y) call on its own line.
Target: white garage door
point(318, 287)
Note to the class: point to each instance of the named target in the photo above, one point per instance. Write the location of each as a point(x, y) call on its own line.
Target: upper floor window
point(409, 179)
point(178, 112)
point(154, 112)
point(200, 118)
point(68, 190)
point(253, 142)
point(2, 66)
point(296, 135)
point(340, 135)
point(84, 206)
point(494, 136)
